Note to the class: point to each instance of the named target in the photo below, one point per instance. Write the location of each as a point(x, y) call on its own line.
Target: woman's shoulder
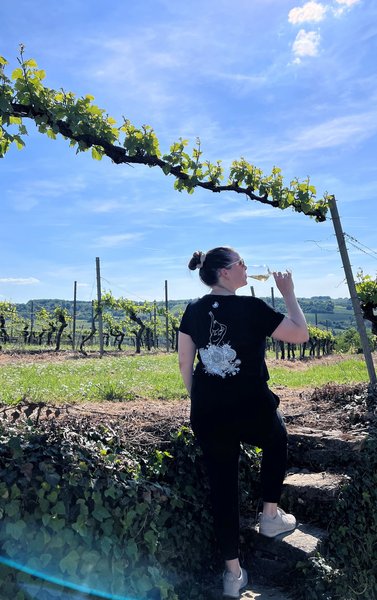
point(213, 298)
point(251, 300)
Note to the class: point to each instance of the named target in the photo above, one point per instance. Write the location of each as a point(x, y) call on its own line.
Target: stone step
point(310, 496)
point(262, 592)
point(319, 450)
point(253, 591)
point(271, 560)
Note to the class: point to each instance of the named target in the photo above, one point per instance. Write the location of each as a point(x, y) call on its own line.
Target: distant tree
point(349, 341)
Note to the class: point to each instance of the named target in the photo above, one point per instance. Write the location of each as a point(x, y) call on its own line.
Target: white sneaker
point(273, 526)
point(233, 585)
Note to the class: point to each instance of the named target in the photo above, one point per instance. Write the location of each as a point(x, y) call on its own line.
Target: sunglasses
point(240, 261)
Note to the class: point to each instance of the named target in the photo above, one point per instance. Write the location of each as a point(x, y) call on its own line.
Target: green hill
point(323, 311)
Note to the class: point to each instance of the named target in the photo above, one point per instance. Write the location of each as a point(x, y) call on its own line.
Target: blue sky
point(278, 82)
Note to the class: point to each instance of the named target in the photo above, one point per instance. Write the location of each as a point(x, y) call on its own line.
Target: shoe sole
point(241, 589)
point(273, 535)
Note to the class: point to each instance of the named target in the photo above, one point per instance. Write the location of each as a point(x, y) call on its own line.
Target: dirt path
point(144, 412)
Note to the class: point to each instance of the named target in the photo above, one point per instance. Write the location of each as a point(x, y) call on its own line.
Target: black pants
point(221, 448)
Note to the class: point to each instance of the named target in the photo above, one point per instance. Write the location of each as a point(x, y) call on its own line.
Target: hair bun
point(202, 258)
point(197, 260)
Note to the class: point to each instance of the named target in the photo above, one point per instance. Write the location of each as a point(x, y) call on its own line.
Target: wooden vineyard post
point(277, 343)
point(31, 322)
point(167, 315)
point(99, 300)
point(74, 315)
point(352, 290)
point(155, 324)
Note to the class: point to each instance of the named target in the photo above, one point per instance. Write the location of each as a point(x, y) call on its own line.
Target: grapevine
point(88, 127)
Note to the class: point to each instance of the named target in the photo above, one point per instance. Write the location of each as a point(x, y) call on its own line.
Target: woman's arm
point(293, 328)
point(186, 357)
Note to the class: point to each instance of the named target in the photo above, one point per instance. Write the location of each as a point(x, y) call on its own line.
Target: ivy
point(78, 503)
point(24, 96)
point(345, 567)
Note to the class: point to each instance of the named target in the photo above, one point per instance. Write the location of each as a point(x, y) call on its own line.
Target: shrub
point(79, 505)
point(346, 569)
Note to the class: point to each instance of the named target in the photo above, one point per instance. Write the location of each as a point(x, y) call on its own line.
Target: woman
point(230, 398)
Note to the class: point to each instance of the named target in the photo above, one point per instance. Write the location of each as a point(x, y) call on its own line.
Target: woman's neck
point(221, 290)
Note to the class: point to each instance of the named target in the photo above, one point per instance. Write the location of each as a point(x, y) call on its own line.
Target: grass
point(153, 377)
point(317, 374)
point(110, 378)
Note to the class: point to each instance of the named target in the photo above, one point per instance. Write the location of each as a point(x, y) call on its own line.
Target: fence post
point(155, 323)
point(252, 291)
point(167, 315)
point(276, 341)
point(352, 290)
point(99, 299)
point(31, 322)
point(74, 315)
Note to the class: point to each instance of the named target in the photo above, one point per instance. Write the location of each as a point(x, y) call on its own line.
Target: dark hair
point(212, 261)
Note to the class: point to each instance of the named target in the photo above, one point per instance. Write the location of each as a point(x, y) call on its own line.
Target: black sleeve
point(268, 317)
point(186, 325)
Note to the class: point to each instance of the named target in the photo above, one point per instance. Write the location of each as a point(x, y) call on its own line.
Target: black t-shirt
point(230, 335)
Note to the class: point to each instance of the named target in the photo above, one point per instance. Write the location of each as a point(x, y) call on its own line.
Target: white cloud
point(306, 44)
point(19, 280)
point(110, 241)
point(345, 5)
point(249, 213)
point(311, 11)
point(106, 206)
point(338, 132)
point(348, 2)
point(28, 194)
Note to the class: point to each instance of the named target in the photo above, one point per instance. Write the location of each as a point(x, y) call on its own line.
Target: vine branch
point(86, 125)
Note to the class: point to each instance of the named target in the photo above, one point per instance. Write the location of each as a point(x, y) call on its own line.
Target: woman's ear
point(223, 272)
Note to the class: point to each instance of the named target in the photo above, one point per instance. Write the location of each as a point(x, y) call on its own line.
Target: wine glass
point(259, 272)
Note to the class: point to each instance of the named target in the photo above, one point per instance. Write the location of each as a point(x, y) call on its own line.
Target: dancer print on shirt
point(217, 358)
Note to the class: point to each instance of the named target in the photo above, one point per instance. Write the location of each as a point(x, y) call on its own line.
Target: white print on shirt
point(219, 359)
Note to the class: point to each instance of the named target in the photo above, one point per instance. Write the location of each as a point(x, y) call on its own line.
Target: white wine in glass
point(259, 272)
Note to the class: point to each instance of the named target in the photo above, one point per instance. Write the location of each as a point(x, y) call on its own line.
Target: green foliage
point(366, 288)
point(346, 567)
point(76, 503)
point(8, 309)
point(349, 341)
point(87, 126)
point(320, 334)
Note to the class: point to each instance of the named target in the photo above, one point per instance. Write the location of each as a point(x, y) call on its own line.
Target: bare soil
point(338, 407)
